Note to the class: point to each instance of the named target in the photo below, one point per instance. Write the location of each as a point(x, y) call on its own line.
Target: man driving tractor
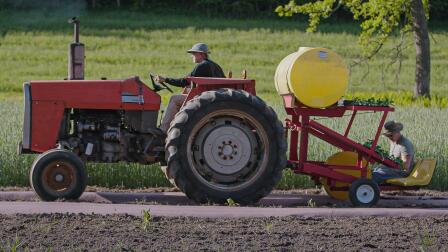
point(205, 68)
point(400, 147)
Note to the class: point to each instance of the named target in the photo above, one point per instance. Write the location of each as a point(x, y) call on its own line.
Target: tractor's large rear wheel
point(225, 144)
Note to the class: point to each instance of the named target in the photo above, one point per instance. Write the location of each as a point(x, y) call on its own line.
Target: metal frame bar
point(300, 122)
point(327, 172)
point(349, 126)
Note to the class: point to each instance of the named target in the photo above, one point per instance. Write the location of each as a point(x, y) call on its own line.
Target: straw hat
point(391, 127)
point(200, 48)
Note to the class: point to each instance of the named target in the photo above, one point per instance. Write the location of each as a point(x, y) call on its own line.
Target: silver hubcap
point(365, 194)
point(227, 152)
point(227, 149)
point(59, 178)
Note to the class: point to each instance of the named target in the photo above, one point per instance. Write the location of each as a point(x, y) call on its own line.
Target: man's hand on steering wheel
point(158, 83)
point(159, 79)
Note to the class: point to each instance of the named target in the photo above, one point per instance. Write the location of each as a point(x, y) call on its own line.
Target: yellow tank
point(317, 77)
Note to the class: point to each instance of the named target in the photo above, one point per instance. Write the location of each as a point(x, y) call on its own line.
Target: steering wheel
point(157, 86)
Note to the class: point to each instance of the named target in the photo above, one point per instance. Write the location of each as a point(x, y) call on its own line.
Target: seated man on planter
point(400, 147)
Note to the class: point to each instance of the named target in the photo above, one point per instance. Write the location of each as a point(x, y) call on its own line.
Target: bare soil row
point(124, 233)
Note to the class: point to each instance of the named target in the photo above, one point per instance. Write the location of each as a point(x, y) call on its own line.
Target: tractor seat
point(420, 176)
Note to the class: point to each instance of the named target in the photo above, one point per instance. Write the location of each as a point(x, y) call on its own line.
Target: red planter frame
point(300, 126)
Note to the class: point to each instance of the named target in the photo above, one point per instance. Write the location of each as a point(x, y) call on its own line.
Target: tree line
point(223, 8)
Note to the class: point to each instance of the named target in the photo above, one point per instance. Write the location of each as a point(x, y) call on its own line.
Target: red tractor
point(225, 142)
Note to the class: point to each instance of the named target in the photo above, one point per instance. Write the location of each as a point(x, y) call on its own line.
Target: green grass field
point(120, 44)
point(33, 45)
point(428, 143)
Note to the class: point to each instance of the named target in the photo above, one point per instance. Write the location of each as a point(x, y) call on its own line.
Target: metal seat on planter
point(420, 176)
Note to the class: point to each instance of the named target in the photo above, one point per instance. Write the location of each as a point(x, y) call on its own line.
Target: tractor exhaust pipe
point(75, 54)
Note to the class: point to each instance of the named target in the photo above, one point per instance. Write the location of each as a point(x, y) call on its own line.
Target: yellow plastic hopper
point(317, 77)
point(420, 176)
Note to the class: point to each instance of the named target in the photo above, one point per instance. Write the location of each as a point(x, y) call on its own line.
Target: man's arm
point(201, 70)
point(407, 159)
point(180, 82)
point(407, 155)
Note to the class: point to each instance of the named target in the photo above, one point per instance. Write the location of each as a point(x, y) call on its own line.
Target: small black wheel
point(58, 174)
point(364, 193)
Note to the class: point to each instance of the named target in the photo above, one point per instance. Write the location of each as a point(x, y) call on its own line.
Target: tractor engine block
point(112, 136)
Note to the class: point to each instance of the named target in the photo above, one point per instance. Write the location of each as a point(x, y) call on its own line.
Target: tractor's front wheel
point(58, 174)
point(225, 144)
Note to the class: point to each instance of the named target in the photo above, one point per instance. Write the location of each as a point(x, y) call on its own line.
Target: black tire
point(58, 174)
point(228, 114)
point(364, 193)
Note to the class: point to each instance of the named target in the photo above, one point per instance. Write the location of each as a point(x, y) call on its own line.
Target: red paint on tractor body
point(51, 98)
point(203, 84)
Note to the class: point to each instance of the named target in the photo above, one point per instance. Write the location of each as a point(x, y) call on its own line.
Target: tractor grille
point(26, 134)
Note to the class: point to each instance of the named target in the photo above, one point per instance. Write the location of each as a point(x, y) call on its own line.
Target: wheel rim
point(58, 177)
point(227, 150)
point(365, 194)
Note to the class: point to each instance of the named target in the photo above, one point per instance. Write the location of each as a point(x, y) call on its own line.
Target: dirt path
point(215, 212)
point(173, 204)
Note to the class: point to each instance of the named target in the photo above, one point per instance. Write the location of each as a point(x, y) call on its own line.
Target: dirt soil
point(123, 233)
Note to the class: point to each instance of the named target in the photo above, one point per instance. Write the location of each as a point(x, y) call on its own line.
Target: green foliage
point(316, 11)
point(311, 203)
point(223, 8)
point(371, 102)
point(269, 227)
point(13, 246)
point(379, 18)
point(394, 98)
point(400, 99)
point(231, 202)
point(427, 240)
point(382, 152)
point(146, 220)
point(227, 8)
